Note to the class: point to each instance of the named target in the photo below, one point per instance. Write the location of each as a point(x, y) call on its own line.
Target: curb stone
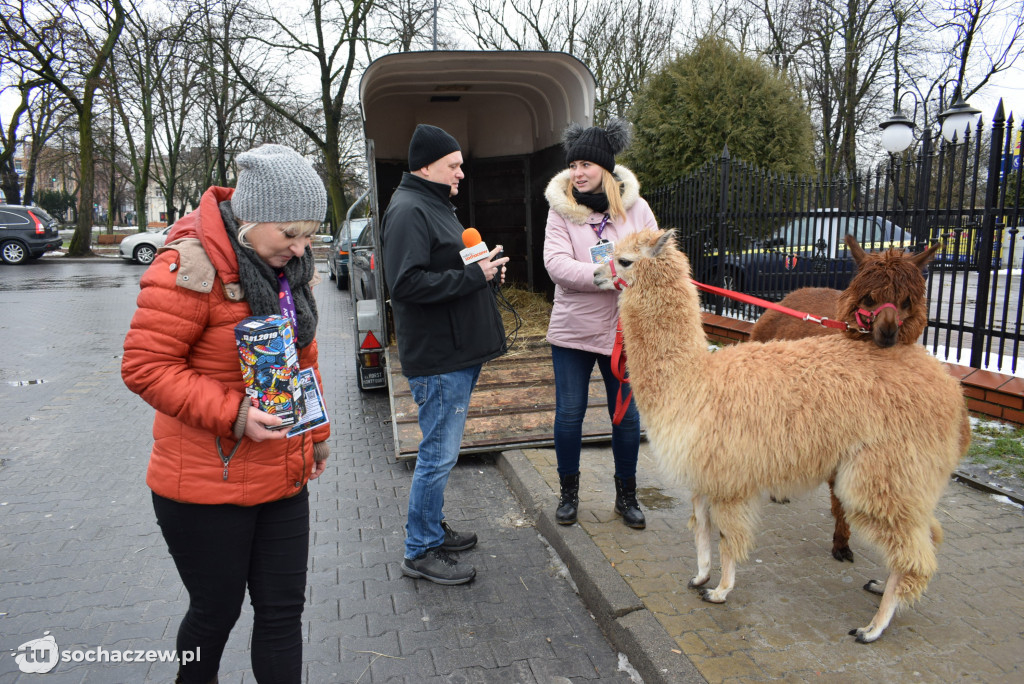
point(620, 613)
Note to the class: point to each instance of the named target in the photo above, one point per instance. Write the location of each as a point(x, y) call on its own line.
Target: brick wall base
point(989, 394)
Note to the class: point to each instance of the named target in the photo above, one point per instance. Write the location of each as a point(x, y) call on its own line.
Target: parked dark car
point(341, 244)
point(142, 247)
point(805, 252)
point(26, 233)
point(363, 262)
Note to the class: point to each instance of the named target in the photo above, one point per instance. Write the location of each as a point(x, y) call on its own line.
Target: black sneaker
point(454, 541)
point(437, 566)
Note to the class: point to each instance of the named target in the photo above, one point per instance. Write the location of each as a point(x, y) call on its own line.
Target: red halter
point(617, 280)
point(870, 316)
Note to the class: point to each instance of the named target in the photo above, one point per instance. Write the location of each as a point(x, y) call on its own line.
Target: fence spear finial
point(1000, 116)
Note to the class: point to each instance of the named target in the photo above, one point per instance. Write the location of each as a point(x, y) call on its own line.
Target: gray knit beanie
point(428, 144)
point(275, 184)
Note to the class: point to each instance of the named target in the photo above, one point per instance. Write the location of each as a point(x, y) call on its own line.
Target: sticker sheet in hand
point(315, 412)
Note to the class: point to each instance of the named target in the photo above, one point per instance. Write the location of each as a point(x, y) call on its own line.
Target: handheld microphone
point(476, 249)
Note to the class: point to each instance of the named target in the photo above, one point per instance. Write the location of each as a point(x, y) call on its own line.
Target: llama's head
point(640, 257)
point(887, 294)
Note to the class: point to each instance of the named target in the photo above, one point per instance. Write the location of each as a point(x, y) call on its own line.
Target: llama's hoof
point(697, 582)
point(864, 635)
point(711, 596)
point(875, 587)
point(842, 554)
point(781, 499)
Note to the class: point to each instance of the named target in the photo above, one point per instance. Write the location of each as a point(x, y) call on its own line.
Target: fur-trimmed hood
point(577, 213)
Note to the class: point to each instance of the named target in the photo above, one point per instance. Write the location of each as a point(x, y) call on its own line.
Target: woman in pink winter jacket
point(593, 204)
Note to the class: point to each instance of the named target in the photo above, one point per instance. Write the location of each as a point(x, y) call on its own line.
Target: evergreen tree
point(711, 97)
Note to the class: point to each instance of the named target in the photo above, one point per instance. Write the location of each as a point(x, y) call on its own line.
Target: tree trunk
point(30, 176)
point(9, 183)
point(335, 183)
point(141, 216)
point(81, 241)
point(112, 187)
point(222, 109)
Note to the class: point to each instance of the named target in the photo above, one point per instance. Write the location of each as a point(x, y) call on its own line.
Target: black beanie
point(594, 144)
point(428, 144)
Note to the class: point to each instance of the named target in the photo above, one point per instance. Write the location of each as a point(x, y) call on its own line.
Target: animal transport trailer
point(508, 111)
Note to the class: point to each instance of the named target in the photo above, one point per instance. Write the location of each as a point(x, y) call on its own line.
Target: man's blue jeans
point(443, 401)
point(572, 388)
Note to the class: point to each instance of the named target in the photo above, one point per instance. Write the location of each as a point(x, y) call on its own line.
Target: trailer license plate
point(372, 377)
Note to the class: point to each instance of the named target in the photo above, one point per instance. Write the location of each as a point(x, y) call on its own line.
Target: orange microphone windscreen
point(471, 237)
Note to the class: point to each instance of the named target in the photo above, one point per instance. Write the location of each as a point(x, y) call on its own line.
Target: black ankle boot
point(626, 504)
point(569, 500)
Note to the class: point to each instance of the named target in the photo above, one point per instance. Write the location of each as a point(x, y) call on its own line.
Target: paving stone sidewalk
point(788, 617)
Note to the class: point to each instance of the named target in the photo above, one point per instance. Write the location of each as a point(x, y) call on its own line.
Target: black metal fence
point(768, 234)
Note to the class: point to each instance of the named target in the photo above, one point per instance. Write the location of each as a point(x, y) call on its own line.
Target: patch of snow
point(624, 666)
point(999, 498)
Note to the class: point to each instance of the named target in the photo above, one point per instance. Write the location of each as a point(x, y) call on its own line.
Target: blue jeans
point(443, 401)
point(572, 384)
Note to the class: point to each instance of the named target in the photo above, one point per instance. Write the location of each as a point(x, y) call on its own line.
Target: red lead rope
point(619, 353)
point(620, 373)
point(740, 297)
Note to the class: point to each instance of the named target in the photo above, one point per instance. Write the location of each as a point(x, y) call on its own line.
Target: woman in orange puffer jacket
point(229, 491)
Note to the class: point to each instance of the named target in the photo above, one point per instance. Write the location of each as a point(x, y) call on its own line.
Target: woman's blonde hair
point(610, 186)
point(292, 229)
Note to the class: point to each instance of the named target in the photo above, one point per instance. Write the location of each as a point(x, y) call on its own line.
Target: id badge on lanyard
point(601, 253)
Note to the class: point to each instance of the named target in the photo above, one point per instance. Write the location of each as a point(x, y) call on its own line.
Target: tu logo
point(37, 656)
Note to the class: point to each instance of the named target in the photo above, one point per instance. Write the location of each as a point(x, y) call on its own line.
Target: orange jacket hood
point(215, 241)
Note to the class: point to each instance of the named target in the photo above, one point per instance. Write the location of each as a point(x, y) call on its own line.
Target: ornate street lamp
point(958, 119)
point(897, 133)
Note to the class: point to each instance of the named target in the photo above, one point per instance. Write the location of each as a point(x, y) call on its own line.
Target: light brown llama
point(886, 298)
point(783, 416)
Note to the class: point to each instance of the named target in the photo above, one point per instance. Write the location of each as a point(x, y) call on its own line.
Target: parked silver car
point(141, 247)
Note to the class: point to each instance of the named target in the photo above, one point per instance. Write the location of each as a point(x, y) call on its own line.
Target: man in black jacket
point(448, 325)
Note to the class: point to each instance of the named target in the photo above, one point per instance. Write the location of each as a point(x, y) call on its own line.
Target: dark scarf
point(595, 201)
point(259, 282)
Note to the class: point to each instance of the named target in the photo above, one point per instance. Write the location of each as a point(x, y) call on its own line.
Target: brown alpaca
point(891, 280)
point(891, 424)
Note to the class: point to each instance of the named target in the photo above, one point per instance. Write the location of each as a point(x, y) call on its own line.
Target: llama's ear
point(856, 251)
point(921, 260)
point(663, 240)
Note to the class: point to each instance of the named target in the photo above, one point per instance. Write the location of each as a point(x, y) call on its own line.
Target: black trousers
point(220, 550)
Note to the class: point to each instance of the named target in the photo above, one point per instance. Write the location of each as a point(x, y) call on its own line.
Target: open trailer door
point(508, 111)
